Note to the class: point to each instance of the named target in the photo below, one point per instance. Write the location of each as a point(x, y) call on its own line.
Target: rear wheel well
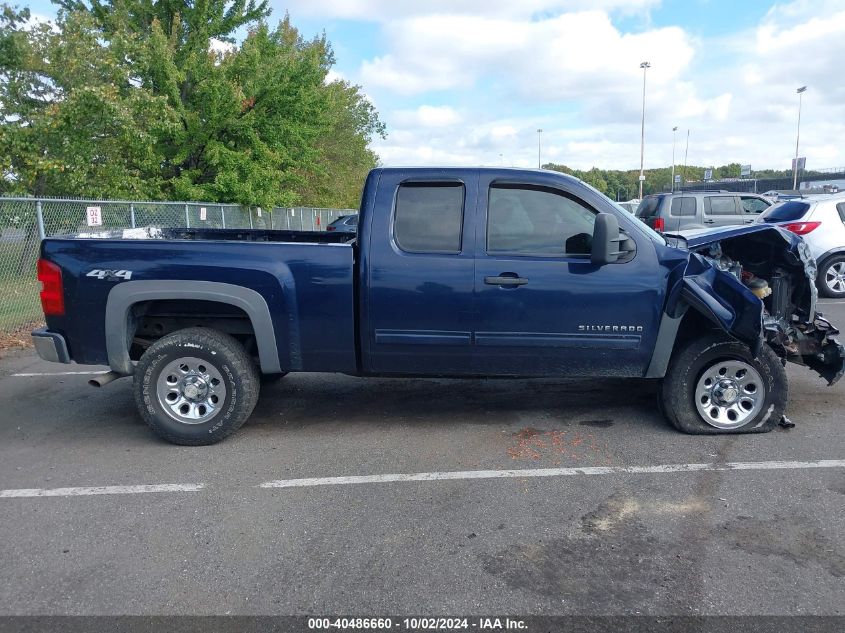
point(152, 320)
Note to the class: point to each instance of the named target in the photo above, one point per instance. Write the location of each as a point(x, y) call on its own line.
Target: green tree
point(132, 98)
point(73, 123)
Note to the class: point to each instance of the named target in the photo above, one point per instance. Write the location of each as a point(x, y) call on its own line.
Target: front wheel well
point(693, 324)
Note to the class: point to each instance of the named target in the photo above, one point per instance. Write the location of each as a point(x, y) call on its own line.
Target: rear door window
point(428, 217)
point(684, 206)
point(720, 205)
point(751, 204)
point(788, 211)
point(352, 220)
point(841, 209)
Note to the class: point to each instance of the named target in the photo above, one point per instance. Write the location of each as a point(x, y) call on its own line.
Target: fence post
point(132, 214)
point(250, 216)
point(300, 219)
point(40, 217)
point(187, 218)
point(223, 215)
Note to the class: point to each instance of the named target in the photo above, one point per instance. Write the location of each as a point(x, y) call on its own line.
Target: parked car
point(344, 224)
point(820, 220)
point(460, 272)
point(682, 211)
point(630, 206)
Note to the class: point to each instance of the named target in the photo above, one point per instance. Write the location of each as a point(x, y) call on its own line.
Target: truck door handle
point(710, 221)
point(506, 279)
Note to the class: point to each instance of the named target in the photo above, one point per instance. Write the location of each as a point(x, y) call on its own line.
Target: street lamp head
point(645, 65)
point(675, 129)
point(801, 89)
point(539, 130)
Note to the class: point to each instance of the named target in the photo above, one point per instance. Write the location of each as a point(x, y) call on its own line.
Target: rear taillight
point(52, 293)
point(331, 228)
point(659, 224)
point(801, 228)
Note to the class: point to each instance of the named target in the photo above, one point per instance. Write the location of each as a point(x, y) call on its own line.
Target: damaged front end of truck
point(757, 283)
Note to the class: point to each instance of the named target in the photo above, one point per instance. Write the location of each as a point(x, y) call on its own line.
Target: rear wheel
point(831, 279)
point(715, 385)
point(195, 386)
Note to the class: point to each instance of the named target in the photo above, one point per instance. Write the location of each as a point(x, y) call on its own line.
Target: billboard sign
point(708, 174)
point(745, 170)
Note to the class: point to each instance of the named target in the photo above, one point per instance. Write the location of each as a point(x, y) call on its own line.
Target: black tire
point(235, 375)
point(272, 379)
point(677, 391)
point(822, 280)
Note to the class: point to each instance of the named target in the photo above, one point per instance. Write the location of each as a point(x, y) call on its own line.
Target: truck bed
point(304, 278)
point(218, 235)
point(256, 235)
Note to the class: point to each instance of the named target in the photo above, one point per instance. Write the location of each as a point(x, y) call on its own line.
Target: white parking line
point(98, 490)
point(61, 373)
point(547, 472)
point(829, 303)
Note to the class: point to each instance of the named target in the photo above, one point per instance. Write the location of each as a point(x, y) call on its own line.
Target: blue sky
point(470, 82)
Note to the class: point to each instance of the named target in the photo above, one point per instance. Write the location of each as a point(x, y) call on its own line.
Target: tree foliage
point(624, 184)
point(155, 99)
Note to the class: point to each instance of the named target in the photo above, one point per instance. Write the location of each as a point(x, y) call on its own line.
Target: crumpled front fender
point(722, 298)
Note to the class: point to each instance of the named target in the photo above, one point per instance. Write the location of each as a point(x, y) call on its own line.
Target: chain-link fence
point(24, 222)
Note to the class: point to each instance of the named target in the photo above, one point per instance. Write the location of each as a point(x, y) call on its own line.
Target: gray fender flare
point(665, 343)
point(123, 296)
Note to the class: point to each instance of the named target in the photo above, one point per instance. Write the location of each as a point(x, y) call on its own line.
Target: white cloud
point(220, 47)
point(333, 76)
point(426, 116)
point(387, 10)
point(736, 93)
point(562, 57)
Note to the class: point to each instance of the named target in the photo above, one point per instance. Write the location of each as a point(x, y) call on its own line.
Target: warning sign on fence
point(94, 216)
point(203, 214)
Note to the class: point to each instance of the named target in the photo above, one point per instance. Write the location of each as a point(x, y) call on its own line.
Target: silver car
point(820, 220)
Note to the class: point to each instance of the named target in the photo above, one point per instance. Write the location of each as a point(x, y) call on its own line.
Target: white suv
point(820, 220)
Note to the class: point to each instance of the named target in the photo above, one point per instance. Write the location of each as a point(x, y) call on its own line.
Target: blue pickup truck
point(453, 272)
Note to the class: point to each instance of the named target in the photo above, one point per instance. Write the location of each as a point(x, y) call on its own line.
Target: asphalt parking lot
point(305, 510)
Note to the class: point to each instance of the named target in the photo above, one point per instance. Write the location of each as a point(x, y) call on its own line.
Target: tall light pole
point(686, 153)
point(674, 129)
point(800, 92)
point(645, 66)
point(539, 132)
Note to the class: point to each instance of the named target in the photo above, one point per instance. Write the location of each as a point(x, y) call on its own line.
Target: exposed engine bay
point(776, 269)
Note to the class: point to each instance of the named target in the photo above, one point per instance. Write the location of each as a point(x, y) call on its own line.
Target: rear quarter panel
point(308, 289)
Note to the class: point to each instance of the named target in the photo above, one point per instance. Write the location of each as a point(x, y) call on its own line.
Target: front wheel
point(716, 385)
point(195, 386)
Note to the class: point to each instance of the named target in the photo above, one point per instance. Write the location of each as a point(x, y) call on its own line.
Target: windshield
point(643, 226)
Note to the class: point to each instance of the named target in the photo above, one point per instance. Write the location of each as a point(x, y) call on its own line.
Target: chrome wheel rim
point(191, 390)
point(729, 393)
point(834, 277)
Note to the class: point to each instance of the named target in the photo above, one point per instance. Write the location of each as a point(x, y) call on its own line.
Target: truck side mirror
point(605, 239)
